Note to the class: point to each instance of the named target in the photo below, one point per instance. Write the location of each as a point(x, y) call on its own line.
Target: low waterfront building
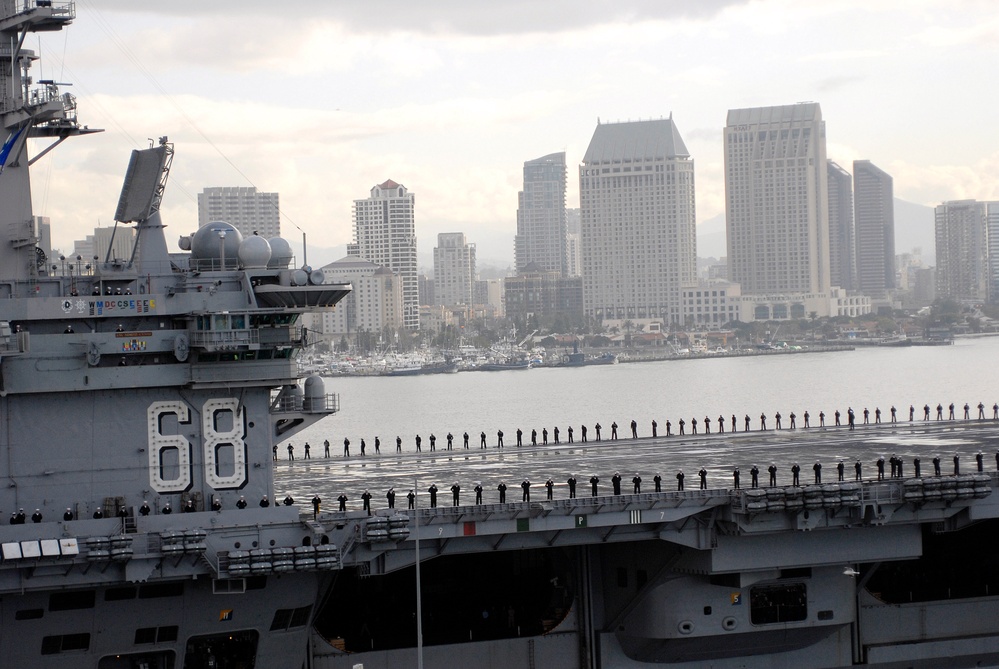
point(712, 304)
point(374, 305)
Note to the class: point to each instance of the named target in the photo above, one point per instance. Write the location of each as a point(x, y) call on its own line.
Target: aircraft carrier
point(141, 397)
point(899, 571)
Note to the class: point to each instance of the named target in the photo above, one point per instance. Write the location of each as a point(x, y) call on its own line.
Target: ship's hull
point(891, 572)
point(580, 360)
point(503, 366)
point(195, 624)
point(675, 618)
point(440, 368)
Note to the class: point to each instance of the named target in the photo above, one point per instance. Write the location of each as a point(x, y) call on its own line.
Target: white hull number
point(166, 447)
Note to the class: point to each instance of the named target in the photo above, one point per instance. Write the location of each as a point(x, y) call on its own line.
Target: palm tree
point(628, 327)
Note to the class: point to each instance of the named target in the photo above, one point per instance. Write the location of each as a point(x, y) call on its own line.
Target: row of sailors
point(895, 462)
point(19, 517)
point(851, 420)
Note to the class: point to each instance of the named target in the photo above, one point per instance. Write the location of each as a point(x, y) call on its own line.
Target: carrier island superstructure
point(140, 398)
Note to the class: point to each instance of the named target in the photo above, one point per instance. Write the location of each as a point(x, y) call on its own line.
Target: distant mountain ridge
point(914, 228)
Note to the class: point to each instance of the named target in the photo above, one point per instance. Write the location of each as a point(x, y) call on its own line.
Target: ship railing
point(540, 504)
point(214, 559)
point(12, 342)
point(889, 491)
point(223, 340)
point(146, 544)
point(213, 264)
point(347, 546)
point(61, 8)
point(329, 403)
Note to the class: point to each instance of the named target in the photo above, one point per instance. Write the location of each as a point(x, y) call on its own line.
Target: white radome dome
point(209, 241)
point(254, 252)
point(280, 253)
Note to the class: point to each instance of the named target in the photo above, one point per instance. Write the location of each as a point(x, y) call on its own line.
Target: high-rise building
point(489, 294)
point(385, 234)
point(106, 244)
point(874, 222)
point(573, 222)
point(244, 208)
point(425, 288)
point(776, 195)
point(992, 231)
point(536, 293)
point(541, 223)
point(842, 246)
point(454, 270)
point(962, 250)
point(638, 224)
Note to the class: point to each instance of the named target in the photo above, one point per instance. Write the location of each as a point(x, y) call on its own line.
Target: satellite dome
point(210, 240)
point(254, 252)
point(280, 253)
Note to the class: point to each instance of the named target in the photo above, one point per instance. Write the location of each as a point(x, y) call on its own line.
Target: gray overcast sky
point(321, 100)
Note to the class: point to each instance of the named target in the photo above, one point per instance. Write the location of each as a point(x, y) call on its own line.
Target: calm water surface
point(545, 397)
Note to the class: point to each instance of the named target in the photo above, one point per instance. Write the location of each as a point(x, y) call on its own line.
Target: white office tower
point(541, 221)
point(638, 224)
point(992, 230)
point(385, 234)
point(962, 241)
point(573, 223)
point(874, 222)
point(842, 245)
point(777, 214)
point(106, 245)
point(454, 270)
point(244, 208)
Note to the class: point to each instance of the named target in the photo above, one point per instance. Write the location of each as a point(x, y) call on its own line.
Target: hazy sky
point(322, 100)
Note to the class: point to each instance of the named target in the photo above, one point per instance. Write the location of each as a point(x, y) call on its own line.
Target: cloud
point(836, 83)
point(849, 54)
point(470, 17)
point(932, 184)
point(984, 34)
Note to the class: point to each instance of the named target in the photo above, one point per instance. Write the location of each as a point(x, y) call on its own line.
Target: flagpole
point(419, 599)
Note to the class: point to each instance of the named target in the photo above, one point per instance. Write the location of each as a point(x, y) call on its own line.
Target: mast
point(27, 112)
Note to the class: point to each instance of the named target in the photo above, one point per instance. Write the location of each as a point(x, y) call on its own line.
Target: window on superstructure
point(778, 604)
point(69, 601)
point(29, 614)
point(63, 643)
point(120, 594)
point(157, 590)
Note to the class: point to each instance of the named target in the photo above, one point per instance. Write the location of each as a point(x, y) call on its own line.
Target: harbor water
point(533, 399)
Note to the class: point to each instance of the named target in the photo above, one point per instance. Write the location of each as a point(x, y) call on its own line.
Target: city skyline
point(460, 138)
